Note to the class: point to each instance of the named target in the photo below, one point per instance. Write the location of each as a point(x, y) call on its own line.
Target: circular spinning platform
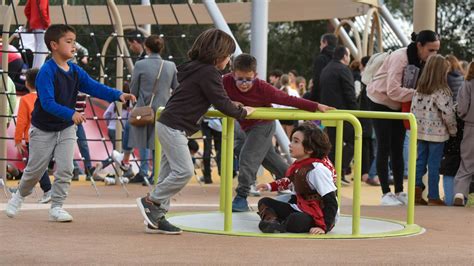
point(246, 224)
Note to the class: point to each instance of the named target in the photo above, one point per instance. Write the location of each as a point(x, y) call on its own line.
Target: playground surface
point(109, 230)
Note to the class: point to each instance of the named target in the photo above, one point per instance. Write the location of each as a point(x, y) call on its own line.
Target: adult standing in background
point(337, 90)
point(37, 14)
point(143, 85)
point(387, 93)
point(327, 45)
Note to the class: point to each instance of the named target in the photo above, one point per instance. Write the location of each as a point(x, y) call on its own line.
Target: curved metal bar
point(368, 50)
point(275, 113)
point(128, 60)
point(360, 52)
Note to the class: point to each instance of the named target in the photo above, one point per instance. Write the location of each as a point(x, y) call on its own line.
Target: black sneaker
point(271, 227)
point(75, 175)
point(164, 227)
point(150, 211)
point(138, 178)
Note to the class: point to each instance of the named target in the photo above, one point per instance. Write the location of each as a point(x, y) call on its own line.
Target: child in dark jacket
point(200, 85)
point(314, 208)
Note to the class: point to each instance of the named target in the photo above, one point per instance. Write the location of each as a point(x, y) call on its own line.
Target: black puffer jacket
point(455, 81)
point(452, 152)
point(319, 63)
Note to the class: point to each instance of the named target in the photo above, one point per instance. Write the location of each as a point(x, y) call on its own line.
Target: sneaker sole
point(10, 214)
point(158, 231)
point(44, 201)
point(52, 219)
point(142, 211)
point(458, 202)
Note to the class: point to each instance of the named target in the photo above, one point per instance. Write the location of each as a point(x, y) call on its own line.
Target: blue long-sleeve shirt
point(57, 91)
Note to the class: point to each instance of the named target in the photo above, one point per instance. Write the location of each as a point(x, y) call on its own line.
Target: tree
point(453, 23)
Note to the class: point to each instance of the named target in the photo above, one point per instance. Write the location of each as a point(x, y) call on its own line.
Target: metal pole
point(220, 22)
point(338, 153)
point(424, 15)
point(393, 25)
point(224, 148)
point(147, 27)
point(3, 97)
point(157, 151)
point(259, 40)
point(228, 175)
point(412, 152)
point(344, 36)
point(357, 175)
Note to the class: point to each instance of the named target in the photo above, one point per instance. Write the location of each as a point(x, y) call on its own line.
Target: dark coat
point(455, 81)
point(452, 152)
point(337, 86)
point(319, 63)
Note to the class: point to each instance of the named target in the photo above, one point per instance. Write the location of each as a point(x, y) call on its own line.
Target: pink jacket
point(388, 91)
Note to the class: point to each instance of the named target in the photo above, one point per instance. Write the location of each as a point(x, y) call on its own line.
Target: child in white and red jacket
point(314, 207)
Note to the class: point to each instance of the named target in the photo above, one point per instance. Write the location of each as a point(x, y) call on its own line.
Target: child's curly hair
point(314, 140)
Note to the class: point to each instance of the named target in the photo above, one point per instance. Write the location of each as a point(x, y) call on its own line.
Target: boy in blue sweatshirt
point(54, 120)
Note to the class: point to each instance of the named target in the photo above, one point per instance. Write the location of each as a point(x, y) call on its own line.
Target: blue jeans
point(406, 147)
point(83, 147)
point(144, 160)
point(108, 161)
point(429, 154)
point(448, 186)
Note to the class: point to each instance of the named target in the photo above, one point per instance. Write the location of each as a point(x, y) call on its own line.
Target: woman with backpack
point(387, 91)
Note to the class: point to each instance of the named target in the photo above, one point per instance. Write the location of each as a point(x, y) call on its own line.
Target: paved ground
point(109, 230)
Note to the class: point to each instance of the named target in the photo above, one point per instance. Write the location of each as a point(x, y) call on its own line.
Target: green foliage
point(454, 24)
point(291, 45)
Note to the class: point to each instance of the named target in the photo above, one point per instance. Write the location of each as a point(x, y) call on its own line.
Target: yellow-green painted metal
point(228, 175)
point(223, 165)
point(408, 230)
point(157, 157)
point(337, 115)
point(338, 162)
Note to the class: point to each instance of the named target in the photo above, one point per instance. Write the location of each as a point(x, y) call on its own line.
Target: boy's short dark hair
point(31, 77)
point(55, 32)
point(155, 43)
point(210, 46)
point(245, 63)
point(330, 39)
point(276, 73)
point(314, 139)
point(193, 146)
point(135, 35)
point(340, 52)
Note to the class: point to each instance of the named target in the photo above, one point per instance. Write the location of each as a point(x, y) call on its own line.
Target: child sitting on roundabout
point(313, 208)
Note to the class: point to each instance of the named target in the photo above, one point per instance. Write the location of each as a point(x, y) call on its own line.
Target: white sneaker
point(458, 199)
point(253, 191)
point(389, 199)
point(124, 180)
point(109, 181)
point(118, 159)
point(98, 168)
point(14, 205)
point(58, 214)
point(402, 197)
point(46, 197)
